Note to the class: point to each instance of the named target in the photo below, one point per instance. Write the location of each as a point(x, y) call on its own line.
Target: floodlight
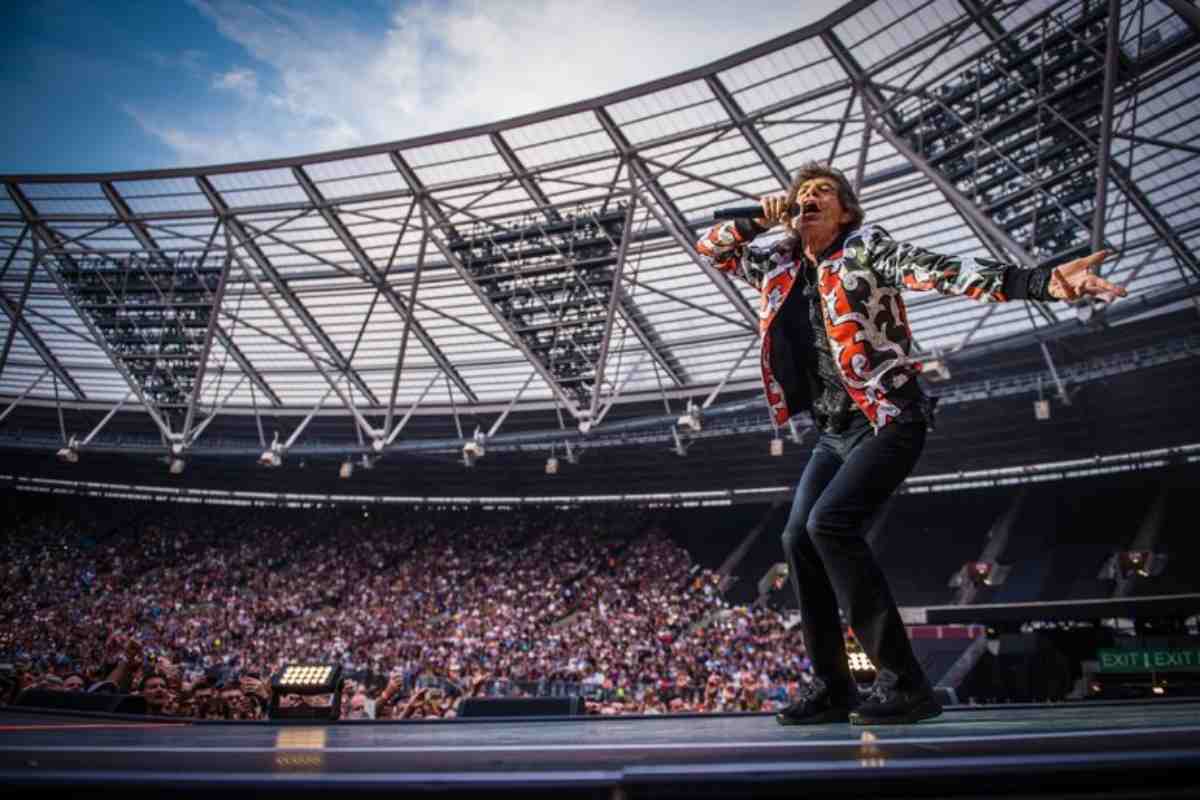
point(777, 446)
point(176, 466)
point(1127, 564)
point(473, 449)
point(70, 453)
point(859, 662)
point(551, 466)
point(692, 418)
point(935, 369)
point(1041, 410)
point(980, 573)
point(305, 680)
point(346, 470)
point(271, 458)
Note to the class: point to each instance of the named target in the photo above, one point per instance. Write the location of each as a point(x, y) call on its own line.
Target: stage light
point(777, 446)
point(1041, 410)
point(69, 454)
point(474, 449)
point(176, 466)
point(859, 662)
point(271, 458)
point(551, 466)
point(935, 369)
point(346, 470)
point(692, 418)
point(307, 680)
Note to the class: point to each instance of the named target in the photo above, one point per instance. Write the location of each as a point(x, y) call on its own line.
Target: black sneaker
point(889, 703)
point(817, 705)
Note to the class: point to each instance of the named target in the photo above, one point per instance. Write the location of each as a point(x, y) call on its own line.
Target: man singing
point(836, 342)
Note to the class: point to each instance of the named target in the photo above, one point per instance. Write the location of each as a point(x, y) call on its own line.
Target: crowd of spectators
point(195, 608)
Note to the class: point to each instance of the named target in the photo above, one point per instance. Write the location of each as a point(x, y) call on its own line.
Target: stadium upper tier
point(549, 257)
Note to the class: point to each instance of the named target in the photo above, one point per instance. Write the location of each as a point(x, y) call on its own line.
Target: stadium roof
point(547, 259)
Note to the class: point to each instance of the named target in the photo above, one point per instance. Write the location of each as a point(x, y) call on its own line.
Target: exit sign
point(1186, 660)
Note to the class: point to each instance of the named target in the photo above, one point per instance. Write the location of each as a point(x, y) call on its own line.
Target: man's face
point(155, 691)
point(73, 683)
point(821, 210)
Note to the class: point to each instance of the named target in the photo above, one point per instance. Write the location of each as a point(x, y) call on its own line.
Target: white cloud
point(240, 80)
point(324, 82)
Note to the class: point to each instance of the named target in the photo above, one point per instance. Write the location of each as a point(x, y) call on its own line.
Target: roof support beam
point(1188, 11)
point(12, 254)
point(671, 219)
point(760, 146)
point(628, 311)
point(234, 226)
point(379, 280)
point(614, 296)
point(28, 390)
point(430, 207)
point(1104, 152)
point(416, 282)
point(15, 321)
point(270, 301)
point(15, 312)
point(139, 231)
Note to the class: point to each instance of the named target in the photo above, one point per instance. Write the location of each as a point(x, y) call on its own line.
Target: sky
point(141, 84)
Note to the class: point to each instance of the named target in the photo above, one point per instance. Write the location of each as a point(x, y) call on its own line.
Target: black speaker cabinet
point(521, 707)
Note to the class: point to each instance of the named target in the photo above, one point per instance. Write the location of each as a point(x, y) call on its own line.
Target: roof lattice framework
point(548, 257)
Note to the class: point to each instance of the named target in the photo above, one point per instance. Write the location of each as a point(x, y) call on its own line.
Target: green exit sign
point(1187, 660)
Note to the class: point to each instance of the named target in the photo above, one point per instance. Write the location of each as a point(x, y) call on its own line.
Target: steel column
point(1104, 152)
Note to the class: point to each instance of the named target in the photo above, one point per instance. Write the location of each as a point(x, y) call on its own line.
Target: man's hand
point(774, 210)
point(1075, 280)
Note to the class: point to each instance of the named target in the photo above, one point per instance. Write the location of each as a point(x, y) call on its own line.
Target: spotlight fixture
point(70, 453)
point(692, 418)
point(272, 456)
point(572, 454)
point(777, 446)
point(176, 465)
point(1041, 410)
point(551, 466)
point(346, 469)
point(935, 369)
point(368, 461)
point(307, 680)
point(474, 449)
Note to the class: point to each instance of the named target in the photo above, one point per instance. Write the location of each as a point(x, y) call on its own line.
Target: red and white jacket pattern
point(860, 284)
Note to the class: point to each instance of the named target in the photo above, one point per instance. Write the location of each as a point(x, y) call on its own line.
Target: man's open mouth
point(810, 211)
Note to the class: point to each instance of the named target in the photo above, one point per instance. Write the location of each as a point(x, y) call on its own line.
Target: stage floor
point(1135, 749)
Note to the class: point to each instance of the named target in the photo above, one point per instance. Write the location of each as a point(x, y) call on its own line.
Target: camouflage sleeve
point(907, 266)
point(725, 246)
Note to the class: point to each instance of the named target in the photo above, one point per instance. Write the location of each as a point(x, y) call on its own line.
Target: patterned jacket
point(860, 279)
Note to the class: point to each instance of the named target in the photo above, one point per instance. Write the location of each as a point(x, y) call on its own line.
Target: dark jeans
point(849, 477)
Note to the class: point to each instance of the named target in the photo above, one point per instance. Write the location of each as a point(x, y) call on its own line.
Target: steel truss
point(554, 253)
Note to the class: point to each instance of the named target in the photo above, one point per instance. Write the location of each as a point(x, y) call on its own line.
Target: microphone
point(747, 212)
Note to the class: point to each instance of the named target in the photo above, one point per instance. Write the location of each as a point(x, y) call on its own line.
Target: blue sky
point(140, 84)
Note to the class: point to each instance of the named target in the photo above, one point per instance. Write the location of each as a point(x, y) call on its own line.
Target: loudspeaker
point(82, 701)
point(521, 707)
